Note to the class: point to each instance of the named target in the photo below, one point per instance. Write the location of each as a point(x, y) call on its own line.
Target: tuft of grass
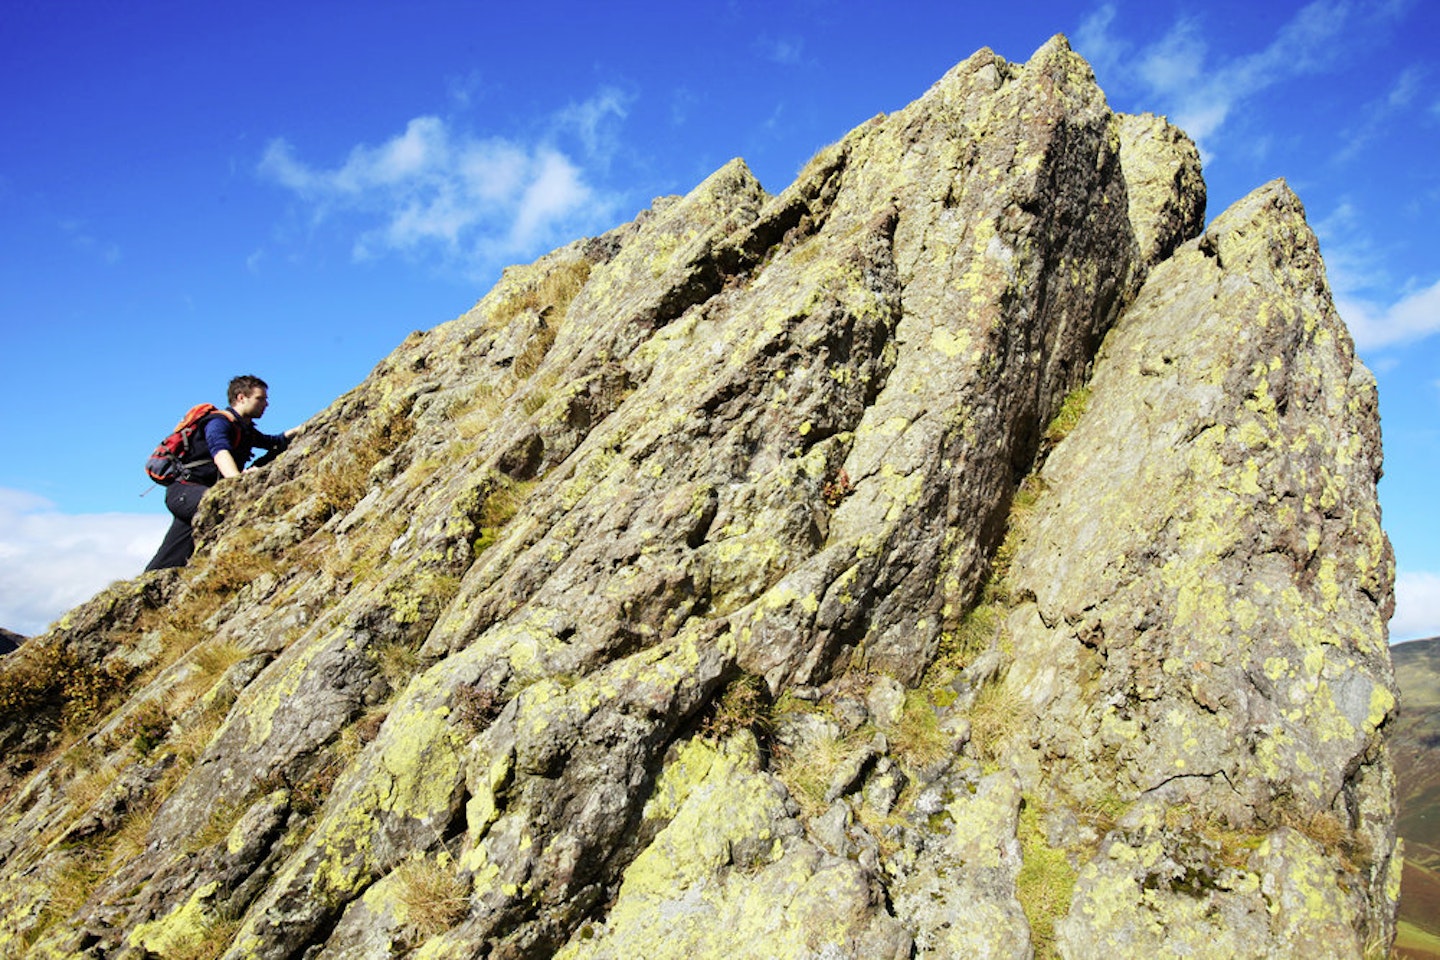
point(502, 501)
point(361, 555)
point(556, 289)
point(209, 941)
point(129, 839)
point(432, 895)
point(1330, 832)
point(397, 661)
point(917, 739)
point(342, 482)
point(215, 657)
point(84, 790)
point(535, 349)
point(146, 727)
point(222, 820)
point(808, 777)
point(69, 884)
point(982, 627)
point(1021, 508)
point(994, 720)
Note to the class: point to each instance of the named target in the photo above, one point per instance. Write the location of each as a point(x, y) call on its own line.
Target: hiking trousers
point(182, 500)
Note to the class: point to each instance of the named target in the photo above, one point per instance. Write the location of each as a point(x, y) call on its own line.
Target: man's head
point(248, 396)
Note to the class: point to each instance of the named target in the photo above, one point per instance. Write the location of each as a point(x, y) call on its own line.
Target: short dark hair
point(243, 387)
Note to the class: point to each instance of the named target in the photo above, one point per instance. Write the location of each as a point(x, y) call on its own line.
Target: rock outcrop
point(959, 553)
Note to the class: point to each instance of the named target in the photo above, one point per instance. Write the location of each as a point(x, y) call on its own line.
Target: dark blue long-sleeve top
point(239, 437)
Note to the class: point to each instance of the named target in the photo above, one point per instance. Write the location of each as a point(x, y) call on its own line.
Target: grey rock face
point(755, 577)
point(1150, 649)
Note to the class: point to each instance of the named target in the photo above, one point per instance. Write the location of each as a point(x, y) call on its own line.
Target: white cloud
point(555, 189)
point(1380, 112)
point(1406, 88)
point(1417, 607)
point(591, 119)
point(1199, 94)
point(1176, 62)
point(51, 561)
point(1105, 51)
point(435, 190)
point(780, 50)
point(1375, 326)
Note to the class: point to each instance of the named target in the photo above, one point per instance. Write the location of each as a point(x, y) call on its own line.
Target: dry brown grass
point(995, 718)
point(432, 894)
point(344, 480)
point(556, 289)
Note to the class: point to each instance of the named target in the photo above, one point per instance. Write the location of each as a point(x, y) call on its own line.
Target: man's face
point(252, 404)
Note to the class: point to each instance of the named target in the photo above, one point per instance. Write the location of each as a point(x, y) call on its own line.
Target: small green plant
point(744, 705)
point(1046, 882)
point(147, 727)
point(1072, 408)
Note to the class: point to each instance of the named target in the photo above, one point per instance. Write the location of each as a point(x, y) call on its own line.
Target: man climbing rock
point(221, 448)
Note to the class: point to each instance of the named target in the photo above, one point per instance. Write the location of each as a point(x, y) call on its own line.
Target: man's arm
point(225, 461)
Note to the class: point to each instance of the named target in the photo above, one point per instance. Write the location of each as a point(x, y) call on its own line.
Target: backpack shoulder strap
point(236, 427)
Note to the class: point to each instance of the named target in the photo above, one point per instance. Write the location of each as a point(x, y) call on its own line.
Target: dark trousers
point(182, 500)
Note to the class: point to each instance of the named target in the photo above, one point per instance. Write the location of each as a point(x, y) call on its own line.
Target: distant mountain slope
point(1415, 751)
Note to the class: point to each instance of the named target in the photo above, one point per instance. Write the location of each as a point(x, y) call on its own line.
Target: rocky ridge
point(960, 553)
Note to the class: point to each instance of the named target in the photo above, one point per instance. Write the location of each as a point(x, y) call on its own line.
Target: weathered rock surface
point(728, 584)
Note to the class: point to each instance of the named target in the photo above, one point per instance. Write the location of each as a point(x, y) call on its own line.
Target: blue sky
point(192, 190)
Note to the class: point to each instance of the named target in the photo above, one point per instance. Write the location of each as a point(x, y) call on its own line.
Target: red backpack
point(173, 459)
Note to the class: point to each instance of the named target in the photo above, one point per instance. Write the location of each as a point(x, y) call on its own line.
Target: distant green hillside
point(1415, 751)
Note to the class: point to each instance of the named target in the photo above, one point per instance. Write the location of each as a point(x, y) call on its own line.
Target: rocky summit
point(965, 552)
